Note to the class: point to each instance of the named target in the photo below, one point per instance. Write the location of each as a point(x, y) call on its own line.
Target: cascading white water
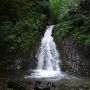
point(48, 58)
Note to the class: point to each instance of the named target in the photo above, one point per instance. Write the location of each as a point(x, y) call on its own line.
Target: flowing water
point(48, 64)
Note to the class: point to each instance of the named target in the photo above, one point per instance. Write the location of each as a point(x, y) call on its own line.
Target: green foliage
point(22, 35)
point(80, 37)
point(55, 5)
point(73, 18)
point(60, 8)
point(20, 23)
point(64, 28)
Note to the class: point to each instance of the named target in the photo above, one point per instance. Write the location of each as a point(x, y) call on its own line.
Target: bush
point(87, 41)
point(60, 8)
point(64, 28)
point(22, 25)
point(73, 20)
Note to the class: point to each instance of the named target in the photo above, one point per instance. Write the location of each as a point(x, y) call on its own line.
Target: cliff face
point(22, 25)
point(74, 58)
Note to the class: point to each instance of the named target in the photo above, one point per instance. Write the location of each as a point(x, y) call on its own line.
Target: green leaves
point(60, 8)
point(22, 34)
point(73, 21)
point(64, 28)
point(22, 25)
point(80, 37)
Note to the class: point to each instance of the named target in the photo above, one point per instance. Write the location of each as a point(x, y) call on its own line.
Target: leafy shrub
point(60, 8)
point(74, 20)
point(64, 28)
point(80, 37)
point(22, 25)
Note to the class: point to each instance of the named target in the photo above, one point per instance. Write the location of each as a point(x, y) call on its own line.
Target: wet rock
point(73, 56)
point(14, 85)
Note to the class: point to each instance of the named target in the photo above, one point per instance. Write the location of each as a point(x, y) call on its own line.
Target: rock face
point(22, 59)
point(73, 57)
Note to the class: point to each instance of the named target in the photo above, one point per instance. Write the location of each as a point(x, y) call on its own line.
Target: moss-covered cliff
point(21, 25)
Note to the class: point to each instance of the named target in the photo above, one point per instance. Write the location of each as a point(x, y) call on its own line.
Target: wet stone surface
point(73, 83)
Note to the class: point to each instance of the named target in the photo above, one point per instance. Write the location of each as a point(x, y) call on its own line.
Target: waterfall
point(48, 57)
point(48, 61)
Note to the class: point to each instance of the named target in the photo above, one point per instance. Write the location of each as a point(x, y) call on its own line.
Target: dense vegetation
point(73, 17)
point(21, 24)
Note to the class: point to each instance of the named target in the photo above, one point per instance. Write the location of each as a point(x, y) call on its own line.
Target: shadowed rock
point(15, 86)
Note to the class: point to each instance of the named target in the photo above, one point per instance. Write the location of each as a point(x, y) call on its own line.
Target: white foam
point(48, 64)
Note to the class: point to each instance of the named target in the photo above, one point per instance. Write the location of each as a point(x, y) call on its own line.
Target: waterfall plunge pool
point(46, 74)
